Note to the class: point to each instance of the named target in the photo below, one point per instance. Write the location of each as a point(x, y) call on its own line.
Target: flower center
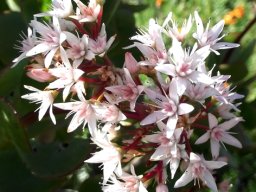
point(183, 69)
point(129, 92)
point(164, 140)
point(217, 133)
point(169, 108)
point(198, 169)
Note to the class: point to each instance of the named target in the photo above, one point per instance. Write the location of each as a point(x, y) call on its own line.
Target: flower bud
point(130, 63)
point(162, 188)
point(39, 73)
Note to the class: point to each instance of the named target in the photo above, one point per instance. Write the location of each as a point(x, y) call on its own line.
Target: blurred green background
point(37, 156)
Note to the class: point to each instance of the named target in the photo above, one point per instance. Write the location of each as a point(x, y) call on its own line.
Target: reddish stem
point(90, 80)
point(208, 106)
point(200, 117)
point(79, 26)
point(156, 171)
point(148, 145)
point(139, 134)
point(99, 92)
point(133, 115)
point(107, 61)
point(200, 126)
point(160, 170)
point(187, 144)
point(134, 144)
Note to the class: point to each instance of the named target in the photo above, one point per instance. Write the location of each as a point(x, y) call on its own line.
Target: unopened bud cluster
point(157, 110)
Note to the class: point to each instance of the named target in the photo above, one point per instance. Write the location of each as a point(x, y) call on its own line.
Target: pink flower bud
point(130, 63)
point(225, 186)
point(161, 188)
point(39, 73)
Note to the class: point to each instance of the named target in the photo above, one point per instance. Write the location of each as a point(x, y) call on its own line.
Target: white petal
point(229, 139)
point(168, 18)
point(40, 48)
point(71, 38)
point(182, 85)
point(64, 57)
point(168, 69)
point(62, 38)
point(215, 148)
point(142, 188)
point(184, 179)
point(119, 170)
point(153, 118)
point(110, 41)
point(224, 45)
point(40, 28)
point(109, 168)
point(67, 106)
point(152, 138)
point(77, 74)
point(197, 76)
point(209, 180)
point(199, 24)
point(66, 91)
point(216, 29)
point(185, 108)
point(231, 123)
point(194, 157)
point(56, 24)
point(177, 133)
point(174, 164)
point(49, 57)
point(98, 157)
point(203, 138)
point(31, 88)
point(77, 62)
point(18, 59)
point(173, 95)
point(57, 84)
point(52, 116)
point(132, 170)
point(154, 96)
point(213, 122)
point(161, 126)
point(200, 55)
point(75, 123)
point(128, 77)
point(177, 51)
point(214, 164)
point(171, 125)
point(92, 124)
point(42, 110)
point(160, 154)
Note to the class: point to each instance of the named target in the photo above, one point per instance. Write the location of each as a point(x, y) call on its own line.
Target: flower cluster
point(157, 110)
